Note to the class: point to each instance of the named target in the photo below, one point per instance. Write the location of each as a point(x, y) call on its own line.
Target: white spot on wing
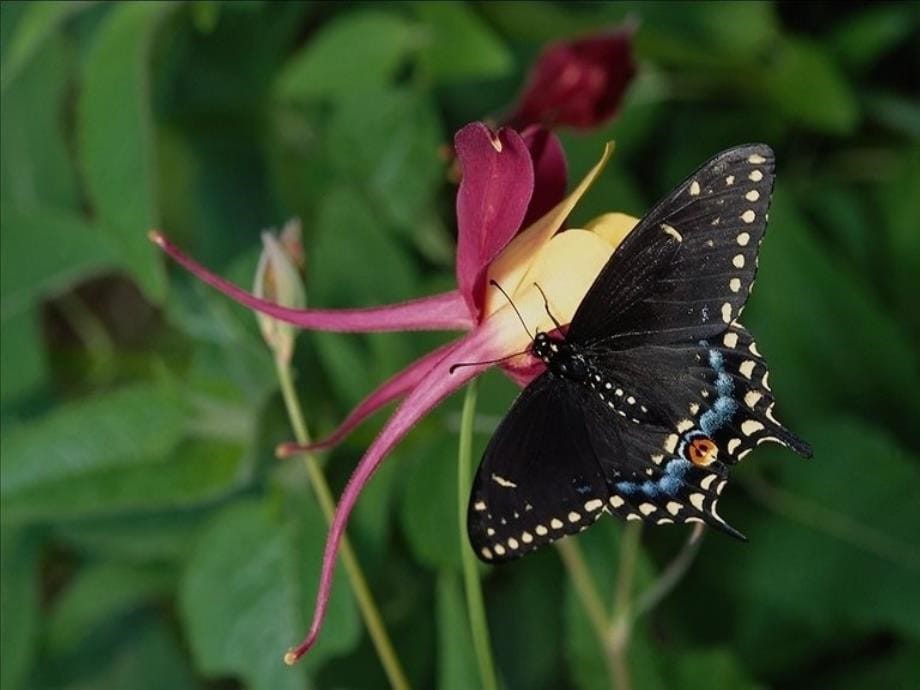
point(616, 501)
point(674, 507)
point(541, 530)
point(501, 481)
point(574, 517)
point(707, 481)
point(596, 504)
point(647, 508)
point(696, 500)
point(727, 312)
point(730, 339)
point(479, 506)
point(748, 216)
point(499, 549)
point(486, 553)
point(743, 238)
point(670, 443)
point(672, 232)
point(694, 188)
point(750, 426)
point(733, 445)
point(738, 261)
point(555, 523)
point(747, 368)
point(730, 180)
point(751, 398)
point(684, 425)
point(734, 284)
point(756, 159)
point(752, 195)
point(755, 176)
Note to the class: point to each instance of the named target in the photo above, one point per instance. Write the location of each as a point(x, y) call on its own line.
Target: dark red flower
point(577, 83)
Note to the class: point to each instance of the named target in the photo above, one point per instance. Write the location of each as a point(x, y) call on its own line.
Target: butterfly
point(654, 390)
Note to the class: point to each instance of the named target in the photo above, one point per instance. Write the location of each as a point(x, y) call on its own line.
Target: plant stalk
point(369, 611)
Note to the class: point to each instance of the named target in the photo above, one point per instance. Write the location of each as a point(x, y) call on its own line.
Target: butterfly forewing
point(685, 271)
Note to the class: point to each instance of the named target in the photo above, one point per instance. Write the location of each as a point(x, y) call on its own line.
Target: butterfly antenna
point(488, 361)
point(499, 288)
point(546, 306)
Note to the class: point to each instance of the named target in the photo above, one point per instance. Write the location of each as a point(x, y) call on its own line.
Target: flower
point(507, 179)
point(577, 83)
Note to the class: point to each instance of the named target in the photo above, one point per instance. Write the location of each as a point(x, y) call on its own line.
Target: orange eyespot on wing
point(702, 451)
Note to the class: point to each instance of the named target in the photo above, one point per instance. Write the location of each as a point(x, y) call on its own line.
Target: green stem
point(622, 604)
point(475, 606)
point(362, 592)
point(591, 601)
point(89, 328)
point(671, 575)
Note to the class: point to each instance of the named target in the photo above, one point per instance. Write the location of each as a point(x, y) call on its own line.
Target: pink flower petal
point(446, 311)
point(393, 388)
point(577, 83)
point(492, 201)
point(550, 171)
point(482, 344)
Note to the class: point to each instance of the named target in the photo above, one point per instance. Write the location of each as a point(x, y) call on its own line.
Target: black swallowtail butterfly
point(654, 390)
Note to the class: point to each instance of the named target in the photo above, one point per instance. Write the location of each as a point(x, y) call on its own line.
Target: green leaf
point(459, 44)
point(36, 167)
point(145, 657)
point(805, 83)
point(115, 136)
point(38, 21)
point(129, 427)
point(238, 599)
point(429, 506)
point(353, 52)
point(838, 554)
point(715, 669)
point(193, 473)
point(43, 252)
point(96, 595)
point(22, 355)
point(19, 602)
point(164, 537)
point(242, 597)
point(863, 37)
point(386, 143)
point(456, 658)
point(802, 282)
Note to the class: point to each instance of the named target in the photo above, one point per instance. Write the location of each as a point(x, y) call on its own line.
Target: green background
point(149, 537)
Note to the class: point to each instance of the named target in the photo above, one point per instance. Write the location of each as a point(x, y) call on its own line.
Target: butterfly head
point(559, 356)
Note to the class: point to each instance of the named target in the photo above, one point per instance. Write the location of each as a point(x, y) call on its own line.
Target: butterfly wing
point(539, 479)
point(685, 271)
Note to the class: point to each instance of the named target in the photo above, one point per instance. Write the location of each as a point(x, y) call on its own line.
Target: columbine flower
point(507, 178)
point(577, 83)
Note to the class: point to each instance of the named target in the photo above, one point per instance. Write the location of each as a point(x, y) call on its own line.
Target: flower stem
point(591, 601)
point(475, 606)
point(362, 592)
point(621, 627)
point(671, 575)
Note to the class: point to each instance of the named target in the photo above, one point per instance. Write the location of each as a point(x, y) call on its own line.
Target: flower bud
point(279, 280)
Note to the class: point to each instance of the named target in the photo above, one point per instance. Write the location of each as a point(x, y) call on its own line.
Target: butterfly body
point(655, 389)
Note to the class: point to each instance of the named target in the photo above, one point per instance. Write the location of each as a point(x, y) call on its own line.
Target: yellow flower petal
point(613, 227)
point(512, 265)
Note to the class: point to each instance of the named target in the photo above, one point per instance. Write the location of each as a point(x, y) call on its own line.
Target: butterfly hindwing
point(685, 271)
point(539, 479)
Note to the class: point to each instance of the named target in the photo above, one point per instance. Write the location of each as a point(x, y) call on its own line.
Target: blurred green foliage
point(150, 539)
